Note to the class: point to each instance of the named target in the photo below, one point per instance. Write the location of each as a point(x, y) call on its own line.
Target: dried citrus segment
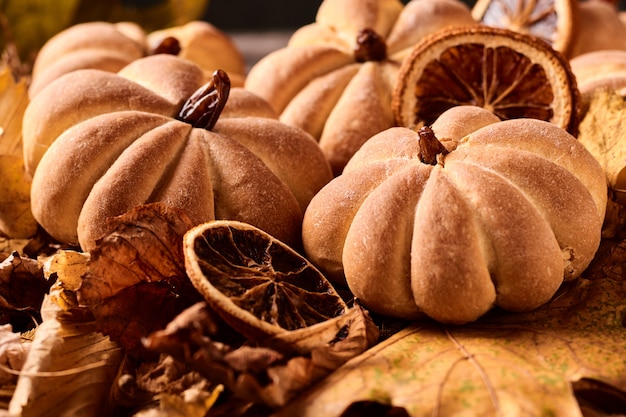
point(508, 73)
point(256, 283)
point(550, 20)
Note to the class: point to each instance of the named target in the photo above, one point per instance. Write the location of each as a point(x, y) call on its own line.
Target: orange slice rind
point(509, 73)
point(258, 285)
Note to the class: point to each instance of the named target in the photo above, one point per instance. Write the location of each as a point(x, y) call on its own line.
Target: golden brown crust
point(340, 16)
point(131, 179)
point(363, 110)
point(97, 45)
point(459, 121)
point(243, 103)
point(324, 233)
point(420, 18)
point(392, 205)
point(75, 161)
point(290, 153)
point(54, 109)
point(169, 76)
point(280, 75)
point(312, 105)
point(79, 95)
point(206, 46)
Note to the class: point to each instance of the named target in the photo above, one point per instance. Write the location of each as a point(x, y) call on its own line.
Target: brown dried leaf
point(135, 281)
point(22, 289)
point(504, 364)
point(274, 371)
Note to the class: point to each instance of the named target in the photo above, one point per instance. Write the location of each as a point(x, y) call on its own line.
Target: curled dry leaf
point(269, 372)
point(135, 281)
point(509, 364)
point(65, 268)
point(22, 289)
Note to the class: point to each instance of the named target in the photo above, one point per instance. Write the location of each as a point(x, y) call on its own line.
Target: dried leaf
point(16, 218)
point(68, 372)
point(274, 371)
point(68, 266)
point(505, 364)
point(136, 281)
point(13, 102)
point(603, 132)
point(66, 269)
point(193, 402)
point(12, 354)
point(22, 289)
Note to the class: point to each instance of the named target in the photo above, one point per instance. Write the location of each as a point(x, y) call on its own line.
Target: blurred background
point(26, 24)
point(241, 15)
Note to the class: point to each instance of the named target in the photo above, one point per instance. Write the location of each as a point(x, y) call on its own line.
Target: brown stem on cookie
point(370, 46)
point(204, 107)
point(430, 147)
point(169, 45)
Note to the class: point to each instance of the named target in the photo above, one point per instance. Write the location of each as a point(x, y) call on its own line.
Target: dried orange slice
point(259, 285)
point(508, 73)
point(554, 21)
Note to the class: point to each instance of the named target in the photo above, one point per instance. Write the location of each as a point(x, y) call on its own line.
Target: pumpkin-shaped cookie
point(99, 143)
point(112, 46)
point(498, 218)
point(335, 77)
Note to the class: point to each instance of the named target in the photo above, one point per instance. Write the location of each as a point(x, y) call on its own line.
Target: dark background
point(251, 15)
point(243, 15)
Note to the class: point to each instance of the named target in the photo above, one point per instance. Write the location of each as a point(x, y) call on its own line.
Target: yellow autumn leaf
point(603, 132)
point(511, 365)
point(13, 102)
point(16, 218)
